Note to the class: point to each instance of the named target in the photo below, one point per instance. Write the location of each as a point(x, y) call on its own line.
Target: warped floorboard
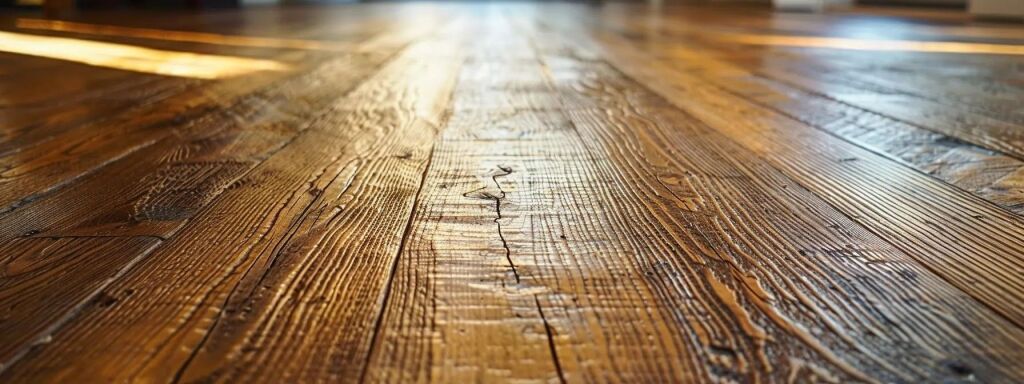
point(459, 192)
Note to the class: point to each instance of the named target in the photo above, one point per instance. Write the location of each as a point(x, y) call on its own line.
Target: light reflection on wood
point(132, 58)
point(875, 45)
point(182, 36)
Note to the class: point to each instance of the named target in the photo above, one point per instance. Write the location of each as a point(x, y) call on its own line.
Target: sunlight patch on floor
point(133, 58)
point(875, 45)
point(181, 36)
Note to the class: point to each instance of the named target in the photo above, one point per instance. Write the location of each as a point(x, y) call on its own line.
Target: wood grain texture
point(976, 169)
point(524, 193)
point(775, 227)
point(352, 242)
point(46, 158)
point(172, 179)
point(740, 292)
point(489, 286)
point(305, 195)
point(851, 94)
point(189, 176)
point(892, 208)
point(33, 306)
point(191, 169)
point(157, 190)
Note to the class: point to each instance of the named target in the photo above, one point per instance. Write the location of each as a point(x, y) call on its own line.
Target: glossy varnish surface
point(517, 193)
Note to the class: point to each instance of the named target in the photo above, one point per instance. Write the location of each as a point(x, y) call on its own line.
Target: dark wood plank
point(315, 198)
point(52, 153)
point(42, 278)
point(34, 170)
point(160, 190)
point(154, 192)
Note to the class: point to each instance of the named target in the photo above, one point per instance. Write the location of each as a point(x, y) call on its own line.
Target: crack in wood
point(406, 232)
point(497, 220)
point(550, 332)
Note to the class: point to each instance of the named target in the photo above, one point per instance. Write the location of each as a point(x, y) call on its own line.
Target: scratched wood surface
point(462, 192)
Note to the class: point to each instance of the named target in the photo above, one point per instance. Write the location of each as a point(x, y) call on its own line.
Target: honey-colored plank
point(335, 269)
point(533, 193)
point(975, 169)
point(34, 170)
point(765, 229)
point(980, 246)
point(745, 275)
point(511, 273)
point(963, 95)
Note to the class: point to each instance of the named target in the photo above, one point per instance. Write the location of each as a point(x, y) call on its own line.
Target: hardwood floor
point(511, 192)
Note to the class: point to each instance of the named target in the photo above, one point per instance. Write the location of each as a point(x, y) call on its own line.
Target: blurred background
point(1010, 10)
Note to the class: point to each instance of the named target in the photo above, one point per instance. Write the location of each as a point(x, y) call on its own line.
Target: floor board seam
point(57, 325)
point(378, 324)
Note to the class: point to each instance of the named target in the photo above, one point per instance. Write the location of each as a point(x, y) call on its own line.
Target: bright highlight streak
point(132, 58)
point(183, 36)
point(876, 45)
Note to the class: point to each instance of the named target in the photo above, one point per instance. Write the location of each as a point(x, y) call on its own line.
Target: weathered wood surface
point(906, 206)
point(516, 193)
point(153, 192)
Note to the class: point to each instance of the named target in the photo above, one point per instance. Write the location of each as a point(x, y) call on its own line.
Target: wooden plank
point(969, 85)
point(75, 269)
point(335, 269)
point(944, 90)
point(980, 247)
point(970, 167)
point(747, 256)
point(909, 23)
point(207, 155)
point(995, 130)
point(153, 193)
point(491, 252)
point(977, 108)
point(44, 105)
point(988, 94)
point(58, 158)
point(33, 171)
point(29, 120)
point(912, 23)
point(340, 193)
point(980, 171)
